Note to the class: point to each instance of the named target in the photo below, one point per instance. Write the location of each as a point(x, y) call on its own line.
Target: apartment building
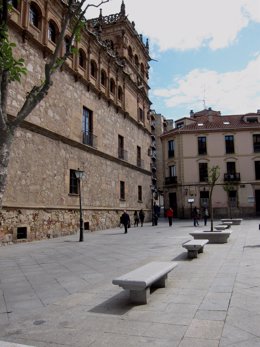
point(95, 118)
point(207, 139)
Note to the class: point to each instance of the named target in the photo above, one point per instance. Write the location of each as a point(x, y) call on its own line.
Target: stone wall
point(44, 223)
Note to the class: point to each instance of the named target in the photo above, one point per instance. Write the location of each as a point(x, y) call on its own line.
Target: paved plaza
point(59, 292)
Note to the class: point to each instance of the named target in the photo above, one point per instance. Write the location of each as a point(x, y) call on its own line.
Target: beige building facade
point(207, 139)
point(96, 118)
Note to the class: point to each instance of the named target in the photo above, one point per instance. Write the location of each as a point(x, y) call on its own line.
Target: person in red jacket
point(169, 214)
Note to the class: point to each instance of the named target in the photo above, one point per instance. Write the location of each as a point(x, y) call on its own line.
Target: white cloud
point(188, 24)
point(232, 92)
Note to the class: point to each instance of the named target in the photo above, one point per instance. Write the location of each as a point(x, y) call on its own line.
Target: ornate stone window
point(112, 86)
point(103, 78)
point(66, 43)
point(136, 61)
point(15, 4)
point(93, 68)
point(35, 15)
point(130, 53)
point(122, 190)
point(82, 59)
point(142, 69)
point(120, 93)
point(74, 187)
point(140, 194)
point(52, 31)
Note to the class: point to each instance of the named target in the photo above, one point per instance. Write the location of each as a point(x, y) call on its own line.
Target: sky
point(206, 53)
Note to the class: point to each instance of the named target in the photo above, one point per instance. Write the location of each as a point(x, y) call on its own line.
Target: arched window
point(15, 4)
point(142, 69)
point(93, 68)
point(130, 53)
point(67, 44)
point(82, 58)
point(52, 31)
point(35, 15)
point(136, 61)
point(120, 93)
point(103, 78)
point(112, 86)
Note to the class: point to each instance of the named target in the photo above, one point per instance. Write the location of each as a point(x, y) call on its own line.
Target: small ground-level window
point(21, 233)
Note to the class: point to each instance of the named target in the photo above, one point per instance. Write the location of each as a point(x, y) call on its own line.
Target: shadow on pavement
point(117, 305)
point(182, 257)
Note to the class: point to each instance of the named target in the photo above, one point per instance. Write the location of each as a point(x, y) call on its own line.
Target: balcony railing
point(140, 163)
point(122, 154)
point(153, 167)
point(232, 177)
point(90, 139)
point(171, 180)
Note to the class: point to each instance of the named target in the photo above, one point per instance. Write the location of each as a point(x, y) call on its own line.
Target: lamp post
point(79, 175)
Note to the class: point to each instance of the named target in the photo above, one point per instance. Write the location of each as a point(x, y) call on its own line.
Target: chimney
point(258, 111)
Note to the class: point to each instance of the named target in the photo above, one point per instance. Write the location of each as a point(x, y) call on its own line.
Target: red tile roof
point(212, 121)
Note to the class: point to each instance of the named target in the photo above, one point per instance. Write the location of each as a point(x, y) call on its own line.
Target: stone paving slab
point(59, 292)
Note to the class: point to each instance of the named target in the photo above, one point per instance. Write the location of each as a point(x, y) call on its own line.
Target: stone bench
point(212, 236)
point(221, 227)
point(234, 221)
point(139, 281)
point(194, 247)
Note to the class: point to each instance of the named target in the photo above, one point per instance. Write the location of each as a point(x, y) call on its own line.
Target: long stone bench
point(212, 236)
point(234, 221)
point(139, 281)
point(194, 247)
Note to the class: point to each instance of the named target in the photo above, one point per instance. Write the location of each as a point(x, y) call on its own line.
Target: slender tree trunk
point(211, 208)
point(6, 139)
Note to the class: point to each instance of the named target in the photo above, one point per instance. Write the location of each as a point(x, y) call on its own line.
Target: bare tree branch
point(37, 93)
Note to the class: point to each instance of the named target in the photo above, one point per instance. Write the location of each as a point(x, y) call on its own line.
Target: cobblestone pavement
point(59, 292)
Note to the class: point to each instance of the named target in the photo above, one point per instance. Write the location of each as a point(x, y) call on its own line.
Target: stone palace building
point(96, 118)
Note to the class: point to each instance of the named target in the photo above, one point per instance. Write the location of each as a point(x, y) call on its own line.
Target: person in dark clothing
point(205, 215)
point(156, 213)
point(125, 220)
point(136, 218)
point(195, 216)
point(141, 216)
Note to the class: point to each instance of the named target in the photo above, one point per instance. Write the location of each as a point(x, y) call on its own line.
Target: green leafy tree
point(213, 176)
point(13, 68)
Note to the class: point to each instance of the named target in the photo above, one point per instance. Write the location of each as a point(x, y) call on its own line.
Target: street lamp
point(79, 175)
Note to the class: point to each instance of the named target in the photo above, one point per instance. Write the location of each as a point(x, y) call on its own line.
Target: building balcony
point(232, 177)
point(122, 154)
point(170, 180)
point(153, 145)
point(140, 163)
point(153, 167)
point(90, 139)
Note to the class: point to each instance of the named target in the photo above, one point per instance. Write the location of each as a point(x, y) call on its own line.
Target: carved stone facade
point(95, 118)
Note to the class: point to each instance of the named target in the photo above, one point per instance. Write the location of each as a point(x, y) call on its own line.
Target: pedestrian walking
point(195, 216)
point(125, 220)
point(141, 216)
point(169, 215)
point(205, 215)
point(136, 218)
point(156, 213)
